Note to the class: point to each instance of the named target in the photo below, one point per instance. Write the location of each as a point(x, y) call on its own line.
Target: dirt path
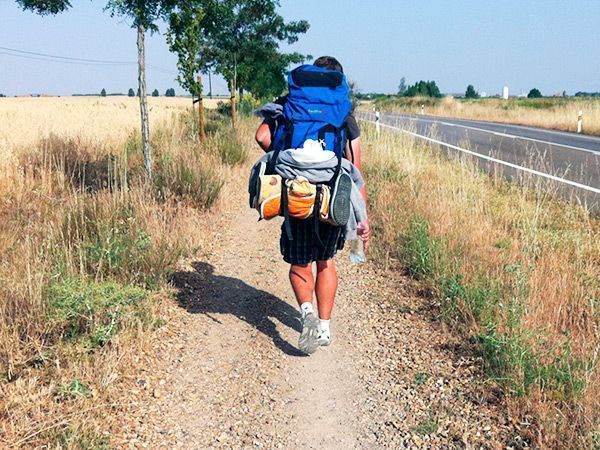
point(229, 374)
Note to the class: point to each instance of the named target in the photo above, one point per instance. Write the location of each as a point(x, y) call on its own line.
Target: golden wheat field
point(23, 120)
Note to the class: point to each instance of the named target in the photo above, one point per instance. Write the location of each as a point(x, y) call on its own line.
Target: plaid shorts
point(305, 247)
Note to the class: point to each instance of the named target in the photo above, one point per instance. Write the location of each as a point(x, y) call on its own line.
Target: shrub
point(230, 149)
point(200, 184)
point(534, 93)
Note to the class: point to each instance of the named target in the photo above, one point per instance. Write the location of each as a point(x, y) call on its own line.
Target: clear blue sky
point(552, 45)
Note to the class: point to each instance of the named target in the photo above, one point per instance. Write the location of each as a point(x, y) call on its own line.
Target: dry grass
point(516, 272)
point(551, 113)
point(85, 252)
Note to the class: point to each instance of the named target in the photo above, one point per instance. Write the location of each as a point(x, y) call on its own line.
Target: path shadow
point(202, 292)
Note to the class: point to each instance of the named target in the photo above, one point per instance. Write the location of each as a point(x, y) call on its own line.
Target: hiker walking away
point(302, 243)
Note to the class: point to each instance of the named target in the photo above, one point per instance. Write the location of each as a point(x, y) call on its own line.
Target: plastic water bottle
point(357, 251)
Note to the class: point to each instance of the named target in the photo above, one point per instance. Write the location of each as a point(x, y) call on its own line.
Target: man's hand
point(364, 232)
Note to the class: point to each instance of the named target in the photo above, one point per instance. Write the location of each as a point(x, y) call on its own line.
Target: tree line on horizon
point(238, 39)
point(430, 89)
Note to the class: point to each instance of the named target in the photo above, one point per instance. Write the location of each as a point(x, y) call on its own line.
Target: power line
point(65, 62)
point(99, 61)
point(70, 60)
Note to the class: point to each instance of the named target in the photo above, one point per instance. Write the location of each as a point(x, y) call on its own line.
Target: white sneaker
point(308, 338)
point(324, 338)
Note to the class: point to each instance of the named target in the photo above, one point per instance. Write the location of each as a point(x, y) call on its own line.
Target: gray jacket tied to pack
point(321, 171)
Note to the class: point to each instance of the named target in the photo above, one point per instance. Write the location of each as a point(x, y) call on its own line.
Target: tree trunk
point(233, 109)
point(201, 132)
point(144, 102)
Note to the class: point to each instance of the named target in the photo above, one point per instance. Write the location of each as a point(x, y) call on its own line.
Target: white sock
point(306, 308)
point(324, 325)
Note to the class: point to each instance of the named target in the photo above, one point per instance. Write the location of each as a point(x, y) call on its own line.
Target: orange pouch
point(269, 197)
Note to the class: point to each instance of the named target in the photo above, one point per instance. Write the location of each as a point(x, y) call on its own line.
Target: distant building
point(483, 94)
point(505, 92)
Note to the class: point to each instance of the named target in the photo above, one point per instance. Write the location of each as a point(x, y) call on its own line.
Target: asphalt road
point(571, 162)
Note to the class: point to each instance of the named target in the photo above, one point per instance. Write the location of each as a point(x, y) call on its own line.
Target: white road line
point(499, 161)
point(595, 152)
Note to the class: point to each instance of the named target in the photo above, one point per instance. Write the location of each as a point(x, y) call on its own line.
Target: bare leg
point(303, 282)
point(326, 287)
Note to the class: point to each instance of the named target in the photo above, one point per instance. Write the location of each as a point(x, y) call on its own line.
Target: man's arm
point(263, 136)
point(353, 155)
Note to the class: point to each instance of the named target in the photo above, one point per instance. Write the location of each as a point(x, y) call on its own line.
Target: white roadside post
point(422, 109)
point(579, 121)
point(377, 126)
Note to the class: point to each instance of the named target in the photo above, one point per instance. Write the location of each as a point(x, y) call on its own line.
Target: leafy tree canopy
point(45, 6)
point(103, 93)
point(534, 93)
point(143, 12)
point(423, 89)
point(155, 93)
point(471, 92)
point(131, 93)
point(241, 39)
point(402, 86)
point(183, 37)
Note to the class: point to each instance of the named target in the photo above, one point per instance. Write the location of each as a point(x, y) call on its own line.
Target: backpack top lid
point(317, 95)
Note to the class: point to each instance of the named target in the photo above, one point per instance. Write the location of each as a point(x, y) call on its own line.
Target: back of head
point(328, 62)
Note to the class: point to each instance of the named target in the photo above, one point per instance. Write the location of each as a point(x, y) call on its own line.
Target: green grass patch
point(90, 309)
point(74, 389)
point(425, 427)
point(420, 250)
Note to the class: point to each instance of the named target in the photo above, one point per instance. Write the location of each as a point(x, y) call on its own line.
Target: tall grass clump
point(86, 249)
point(516, 272)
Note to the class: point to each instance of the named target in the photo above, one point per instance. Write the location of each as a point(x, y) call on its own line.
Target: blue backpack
point(317, 106)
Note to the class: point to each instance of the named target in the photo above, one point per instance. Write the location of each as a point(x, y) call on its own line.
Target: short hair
point(328, 62)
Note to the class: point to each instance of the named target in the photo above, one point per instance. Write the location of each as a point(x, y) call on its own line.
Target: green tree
point(183, 37)
point(471, 92)
point(240, 40)
point(402, 87)
point(103, 93)
point(45, 6)
point(131, 93)
point(534, 93)
point(423, 89)
point(170, 92)
point(155, 93)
